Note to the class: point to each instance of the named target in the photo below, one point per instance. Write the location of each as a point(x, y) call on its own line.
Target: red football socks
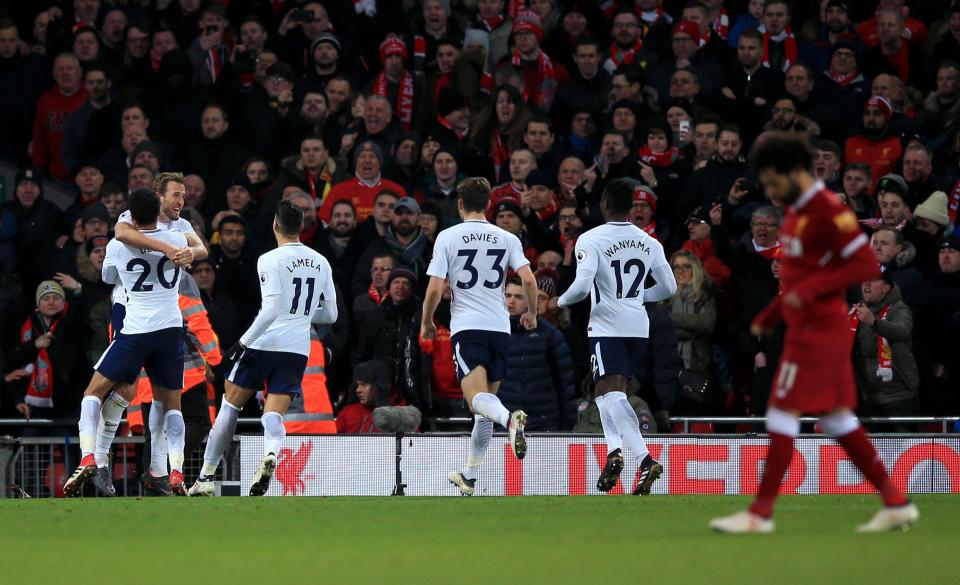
point(861, 451)
point(778, 461)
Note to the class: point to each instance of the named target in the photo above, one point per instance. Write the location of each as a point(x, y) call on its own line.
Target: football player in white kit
point(296, 287)
point(613, 262)
point(475, 255)
point(169, 188)
point(151, 336)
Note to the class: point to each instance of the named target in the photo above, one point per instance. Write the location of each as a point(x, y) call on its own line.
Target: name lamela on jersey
point(625, 245)
point(302, 263)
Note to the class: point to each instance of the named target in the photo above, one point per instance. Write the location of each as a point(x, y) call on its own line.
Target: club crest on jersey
point(581, 255)
point(792, 246)
point(263, 278)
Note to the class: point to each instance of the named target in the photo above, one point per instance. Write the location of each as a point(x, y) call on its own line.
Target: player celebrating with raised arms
point(824, 254)
point(151, 338)
point(296, 288)
point(475, 255)
point(613, 262)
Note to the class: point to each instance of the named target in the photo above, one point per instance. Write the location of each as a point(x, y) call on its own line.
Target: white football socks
point(479, 440)
point(176, 433)
point(627, 423)
point(158, 440)
point(89, 419)
point(611, 435)
point(219, 438)
point(489, 406)
point(110, 414)
point(273, 432)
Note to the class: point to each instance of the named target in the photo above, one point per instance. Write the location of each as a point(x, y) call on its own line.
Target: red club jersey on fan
point(825, 252)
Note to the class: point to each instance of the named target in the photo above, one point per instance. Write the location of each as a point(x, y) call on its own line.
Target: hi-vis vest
point(200, 347)
point(310, 413)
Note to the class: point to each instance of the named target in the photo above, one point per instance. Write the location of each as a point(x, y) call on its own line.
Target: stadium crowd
point(368, 113)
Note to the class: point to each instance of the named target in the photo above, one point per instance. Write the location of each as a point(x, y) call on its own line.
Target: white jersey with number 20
point(475, 255)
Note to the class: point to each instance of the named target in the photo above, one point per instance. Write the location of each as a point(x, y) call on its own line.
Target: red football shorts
point(815, 373)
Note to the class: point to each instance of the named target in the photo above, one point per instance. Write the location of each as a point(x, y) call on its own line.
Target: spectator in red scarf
point(54, 106)
point(395, 82)
point(541, 76)
point(894, 54)
point(780, 49)
point(627, 46)
point(698, 227)
point(49, 359)
point(644, 214)
point(453, 119)
point(366, 303)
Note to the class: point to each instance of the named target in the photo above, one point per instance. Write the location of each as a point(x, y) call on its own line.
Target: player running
point(150, 338)
point(613, 262)
point(296, 288)
point(824, 254)
point(169, 188)
point(475, 256)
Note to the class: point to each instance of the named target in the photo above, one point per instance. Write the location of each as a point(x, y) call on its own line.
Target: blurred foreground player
point(824, 254)
point(296, 285)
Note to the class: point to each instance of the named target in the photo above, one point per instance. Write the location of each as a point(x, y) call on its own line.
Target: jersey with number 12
point(618, 256)
point(301, 278)
point(475, 255)
point(151, 282)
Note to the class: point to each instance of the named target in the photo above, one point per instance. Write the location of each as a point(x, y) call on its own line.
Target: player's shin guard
point(176, 431)
point(110, 414)
point(619, 409)
point(846, 429)
point(479, 440)
point(89, 420)
point(611, 435)
point(489, 406)
point(158, 440)
point(220, 437)
point(783, 428)
point(273, 432)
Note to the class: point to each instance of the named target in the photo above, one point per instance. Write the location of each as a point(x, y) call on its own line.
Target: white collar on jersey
point(808, 194)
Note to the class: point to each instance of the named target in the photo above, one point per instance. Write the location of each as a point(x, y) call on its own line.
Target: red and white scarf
point(611, 7)
point(404, 105)
point(542, 95)
point(953, 205)
point(443, 122)
point(490, 24)
point(884, 351)
point(651, 229)
point(767, 253)
point(789, 45)
point(500, 151)
point(658, 159)
point(841, 79)
point(419, 54)
point(619, 57)
point(40, 386)
point(721, 24)
point(514, 7)
point(375, 295)
point(875, 222)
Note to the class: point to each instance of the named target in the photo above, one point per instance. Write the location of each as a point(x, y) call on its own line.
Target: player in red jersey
point(824, 254)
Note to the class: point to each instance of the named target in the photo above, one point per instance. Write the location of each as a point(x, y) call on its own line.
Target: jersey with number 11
point(618, 256)
point(300, 278)
point(475, 255)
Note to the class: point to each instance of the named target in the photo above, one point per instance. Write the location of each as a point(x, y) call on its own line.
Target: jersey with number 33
point(619, 256)
point(475, 255)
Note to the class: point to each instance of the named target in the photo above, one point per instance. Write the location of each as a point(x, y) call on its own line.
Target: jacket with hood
point(897, 329)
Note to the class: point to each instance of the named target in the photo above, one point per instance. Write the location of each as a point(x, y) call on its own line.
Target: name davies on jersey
point(480, 237)
point(625, 244)
point(303, 263)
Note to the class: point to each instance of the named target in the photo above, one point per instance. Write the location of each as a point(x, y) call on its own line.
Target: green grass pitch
point(368, 541)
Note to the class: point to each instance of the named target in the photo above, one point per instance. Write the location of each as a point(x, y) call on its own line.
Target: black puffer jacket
point(392, 336)
point(539, 377)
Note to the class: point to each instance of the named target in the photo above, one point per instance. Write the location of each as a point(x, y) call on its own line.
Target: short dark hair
point(732, 128)
point(232, 218)
point(539, 118)
point(586, 41)
point(346, 202)
point(752, 33)
point(781, 151)
point(514, 280)
point(475, 194)
point(619, 195)
point(827, 145)
point(289, 218)
point(144, 206)
point(95, 66)
point(449, 41)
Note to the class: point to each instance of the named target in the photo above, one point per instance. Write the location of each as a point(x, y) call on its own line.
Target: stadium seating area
point(368, 113)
